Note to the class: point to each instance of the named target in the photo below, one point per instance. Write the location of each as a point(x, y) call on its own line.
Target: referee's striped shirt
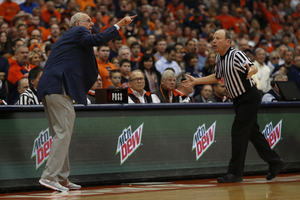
point(231, 67)
point(29, 97)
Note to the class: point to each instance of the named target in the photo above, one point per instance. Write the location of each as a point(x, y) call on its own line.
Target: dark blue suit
point(72, 63)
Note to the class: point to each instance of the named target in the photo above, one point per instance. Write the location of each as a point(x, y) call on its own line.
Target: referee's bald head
point(227, 34)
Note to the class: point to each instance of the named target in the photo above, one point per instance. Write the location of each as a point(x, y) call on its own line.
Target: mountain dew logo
point(273, 135)
point(41, 147)
point(128, 142)
point(203, 139)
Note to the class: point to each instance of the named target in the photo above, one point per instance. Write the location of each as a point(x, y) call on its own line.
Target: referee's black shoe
point(274, 170)
point(230, 178)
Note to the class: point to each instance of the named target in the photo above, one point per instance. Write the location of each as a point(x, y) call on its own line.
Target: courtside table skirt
point(164, 151)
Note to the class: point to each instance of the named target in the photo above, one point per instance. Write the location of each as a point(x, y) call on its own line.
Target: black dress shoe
point(274, 169)
point(230, 178)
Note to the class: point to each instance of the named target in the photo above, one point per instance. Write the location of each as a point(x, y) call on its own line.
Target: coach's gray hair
point(167, 73)
point(76, 17)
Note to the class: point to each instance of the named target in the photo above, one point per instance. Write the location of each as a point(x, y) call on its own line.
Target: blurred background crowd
point(168, 39)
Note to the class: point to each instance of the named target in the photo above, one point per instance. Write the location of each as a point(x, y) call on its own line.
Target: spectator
point(179, 56)
point(281, 49)
point(273, 94)
point(5, 45)
point(286, 30)
point(59, 6)
point(22, 31)
point(272, 17)
point(273, 60)
point(136, 55)
point(225, 18)
point(15, 43)
point(49, 12)
point(202, 48)
point(4, 67)
point(264, 72)
point(206, 92)
point(136, 92)
point(288, 61)
point(17, 71)
point(85, 3)
point(116, 62)
point(27, 6)
point(125, 69)
point(167, 85)
point(210, 64)
point(152, 76)
point(190, 46)
point(161, 48)
point(46, 53)
point(91, 92)
point(99, 24)
point(34, 58)
point(293, 75)
point(191, 64)
point(219, 93)
point(23, 85)
point(243, 44)
point(55, 33)
point(297, 50)
point(104, 66)
point(8, 9)
point(286, 39)
point(167, 61)
point(36, 34)
point(115, 78)
point(117, 44)
point(29, 96)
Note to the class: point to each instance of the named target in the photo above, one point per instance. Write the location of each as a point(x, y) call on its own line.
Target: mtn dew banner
point(203, 139)
point(41, 147)
point(128, 142)
point(117, 143)
point(273, 135)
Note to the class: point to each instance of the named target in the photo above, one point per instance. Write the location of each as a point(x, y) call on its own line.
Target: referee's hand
point(190, 81)
point(251, 70)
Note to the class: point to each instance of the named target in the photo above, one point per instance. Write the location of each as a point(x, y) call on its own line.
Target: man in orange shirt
point(236, 20)
point(49, 12)
point(104, 66)
point(272, 17)
point(225, 18)
point(17, 71)
point(8, 10)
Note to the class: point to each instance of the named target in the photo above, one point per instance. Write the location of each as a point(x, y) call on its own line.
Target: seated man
point(165, 91)
point(219, 94)
point(182, 92)
point(91, 92)
point(273, 93)
point(29, 96)
point(206, 92)
point(125, 69)
point(23, 85)
point(136, 92)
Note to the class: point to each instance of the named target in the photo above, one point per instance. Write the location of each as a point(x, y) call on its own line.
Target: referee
point(236, 70)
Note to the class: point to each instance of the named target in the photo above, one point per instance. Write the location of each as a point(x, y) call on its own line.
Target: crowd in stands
point(150, 57)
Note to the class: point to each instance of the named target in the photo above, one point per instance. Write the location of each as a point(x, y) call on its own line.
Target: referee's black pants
point(245, 128)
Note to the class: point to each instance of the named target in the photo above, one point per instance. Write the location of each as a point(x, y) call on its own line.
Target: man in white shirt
point(263, 74)
point(136, 92)
point(167, 61)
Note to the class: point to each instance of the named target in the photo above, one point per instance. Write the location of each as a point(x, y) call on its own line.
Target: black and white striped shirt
point(232, 68)
point(28, 97)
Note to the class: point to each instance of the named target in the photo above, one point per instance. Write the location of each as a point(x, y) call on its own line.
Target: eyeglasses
point(35, 36)
point(138, 79)
point(87, 20)
point(275, 58)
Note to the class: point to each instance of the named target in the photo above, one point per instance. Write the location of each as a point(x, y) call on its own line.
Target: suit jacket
point(72, 63)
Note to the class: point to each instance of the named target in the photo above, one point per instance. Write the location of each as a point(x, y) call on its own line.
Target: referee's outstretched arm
point(191, 81)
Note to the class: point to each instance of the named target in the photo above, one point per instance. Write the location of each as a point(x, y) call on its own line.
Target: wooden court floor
point(283, 187)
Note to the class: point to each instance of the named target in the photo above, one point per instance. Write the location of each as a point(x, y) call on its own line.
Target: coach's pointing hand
point(126, 20)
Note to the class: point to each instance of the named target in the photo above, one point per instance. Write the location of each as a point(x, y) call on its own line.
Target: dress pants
point(60, 114)
point(245, 128)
